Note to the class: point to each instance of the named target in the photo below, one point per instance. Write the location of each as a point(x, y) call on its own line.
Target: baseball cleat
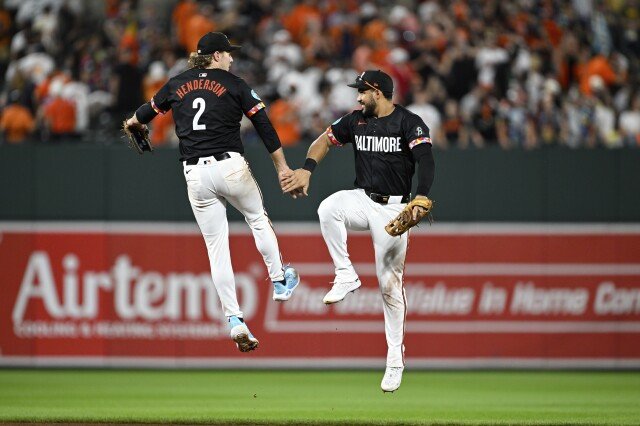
point(392, 379)
point(340, 290)
point(241, 335)
point(282, 290)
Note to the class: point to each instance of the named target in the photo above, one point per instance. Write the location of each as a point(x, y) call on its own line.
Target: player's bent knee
point(325, 210)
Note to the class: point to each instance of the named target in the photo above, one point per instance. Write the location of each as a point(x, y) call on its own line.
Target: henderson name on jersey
point(207, 106)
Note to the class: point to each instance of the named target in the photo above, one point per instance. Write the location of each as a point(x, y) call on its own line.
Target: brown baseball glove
point(138, 137)
point(405, 220)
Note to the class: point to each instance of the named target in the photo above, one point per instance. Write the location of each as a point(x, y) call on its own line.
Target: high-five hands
point(295, 182)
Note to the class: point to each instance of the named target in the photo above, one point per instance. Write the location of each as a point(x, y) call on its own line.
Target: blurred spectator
point(126, 84)
point(297, 21)
point(46, 24)
point(484, 123)
point(402, 72)
point(78, 94)
point(58, 114)
point(182, 12)
point(282, 56)
point(630, 123)
point(452, 128)
point(458, 65)
point(516, 127)
point(489, 56)
point(197, 25)
point(155, 78)
point(603, 114)
point(549, 121)
point(162, 130)
point(285, 119)
point(431, 117)
point(596, 67)
point(579, 114)
point(16, 121)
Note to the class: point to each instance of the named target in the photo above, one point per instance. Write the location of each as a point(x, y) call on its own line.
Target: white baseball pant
point(210, 185)
point(354, 210)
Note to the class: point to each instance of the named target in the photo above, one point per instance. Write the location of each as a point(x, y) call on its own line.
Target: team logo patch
point(255, 95)
point(202, 74)
point(419, 131)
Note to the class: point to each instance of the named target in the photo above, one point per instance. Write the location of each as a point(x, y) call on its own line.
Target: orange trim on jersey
point(155, 108)
point(332, 138)
point(255, 109)
point(419, 141)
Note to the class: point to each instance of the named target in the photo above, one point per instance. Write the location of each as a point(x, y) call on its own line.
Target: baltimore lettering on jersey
point(201, 84)
point(378, 144)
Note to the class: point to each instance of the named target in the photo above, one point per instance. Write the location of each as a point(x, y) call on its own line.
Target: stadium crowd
point(521, 73)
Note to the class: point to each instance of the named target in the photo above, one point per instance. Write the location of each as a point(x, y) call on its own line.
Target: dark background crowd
point(512, 73)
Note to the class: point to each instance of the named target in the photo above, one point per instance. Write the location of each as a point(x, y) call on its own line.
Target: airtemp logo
point(174, 302)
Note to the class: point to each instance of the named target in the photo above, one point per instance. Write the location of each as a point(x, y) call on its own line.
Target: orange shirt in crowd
point(129, 41)
point(60, 114)
point(554, 31)
point(374, 31)
point(181, 14)
point(285, 121)
point(296, 21)
point(598, 65)
point(5, 29)
point(150, 88)
point(161, 128)
point(16, 123)
point(197, 26)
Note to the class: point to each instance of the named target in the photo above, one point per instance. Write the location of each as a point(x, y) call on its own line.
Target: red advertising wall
point(478, 296)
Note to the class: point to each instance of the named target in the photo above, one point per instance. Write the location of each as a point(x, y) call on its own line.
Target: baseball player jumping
point(387, 140)
point(208, 103)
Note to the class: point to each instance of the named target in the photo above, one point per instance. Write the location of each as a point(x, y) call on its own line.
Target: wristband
point(310, 164)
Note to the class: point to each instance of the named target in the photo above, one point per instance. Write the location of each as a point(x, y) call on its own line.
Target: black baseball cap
point(215, 42)
point(374, 79)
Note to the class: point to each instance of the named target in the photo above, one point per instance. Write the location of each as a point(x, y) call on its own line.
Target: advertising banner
point(126, 294)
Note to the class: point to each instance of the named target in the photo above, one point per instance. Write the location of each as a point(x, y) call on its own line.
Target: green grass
point(319, 397)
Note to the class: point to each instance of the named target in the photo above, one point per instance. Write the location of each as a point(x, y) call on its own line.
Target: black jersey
point(207, 106)
point(382, 146)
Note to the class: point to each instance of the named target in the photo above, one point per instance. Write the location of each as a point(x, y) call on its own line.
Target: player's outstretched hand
point(296, 183)
point(284, 174)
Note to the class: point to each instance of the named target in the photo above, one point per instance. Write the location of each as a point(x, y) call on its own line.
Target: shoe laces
point(339, 285)
point(392, 374)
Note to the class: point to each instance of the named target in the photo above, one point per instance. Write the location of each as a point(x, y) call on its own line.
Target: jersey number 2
point(198, 103)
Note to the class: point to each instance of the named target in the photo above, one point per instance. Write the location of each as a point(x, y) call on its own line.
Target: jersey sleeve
point(250, 102)
point(161, 102)
point(340, 131)
point(415, 132)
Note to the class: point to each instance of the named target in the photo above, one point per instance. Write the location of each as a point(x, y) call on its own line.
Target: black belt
point(219, 157)
point(383, 199)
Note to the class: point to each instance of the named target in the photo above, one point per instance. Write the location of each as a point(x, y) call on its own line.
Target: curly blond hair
point(199, 61)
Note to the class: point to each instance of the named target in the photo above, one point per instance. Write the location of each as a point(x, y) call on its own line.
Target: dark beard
point(367, 110)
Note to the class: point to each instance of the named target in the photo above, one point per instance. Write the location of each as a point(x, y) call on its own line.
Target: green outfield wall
point(85, 182)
